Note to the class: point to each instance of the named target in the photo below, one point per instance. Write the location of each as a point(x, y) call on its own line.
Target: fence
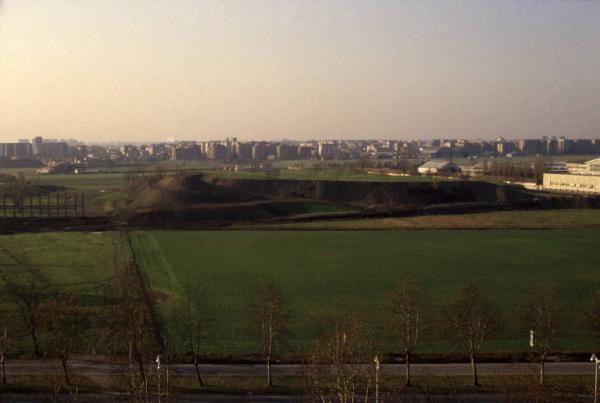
point(49, 205)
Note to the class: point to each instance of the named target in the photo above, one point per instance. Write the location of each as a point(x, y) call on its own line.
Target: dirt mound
point(212, 215)
point(155, 200)
point(377, 194)
point(178, 191)
point(178, 200)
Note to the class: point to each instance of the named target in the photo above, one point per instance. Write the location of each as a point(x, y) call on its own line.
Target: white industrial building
point(437, 167)
point(581, 178)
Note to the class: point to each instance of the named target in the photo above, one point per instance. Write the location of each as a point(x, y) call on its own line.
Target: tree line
point(468, 318)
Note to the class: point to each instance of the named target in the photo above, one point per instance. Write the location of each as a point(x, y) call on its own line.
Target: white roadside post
point(596, 362)
point(376, 361)
point(531, 339)
point(158, 373)
point(532, 343)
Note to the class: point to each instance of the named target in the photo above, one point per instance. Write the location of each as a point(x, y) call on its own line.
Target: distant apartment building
point(186, 153)
point(503, 147)
point(564, 146)
point(306, 151)
point(15, 150)
point(583, 147)
point(130, 152)
point(550, 146)
point(243, 151)
point(36, 145)
point(55, 149)
point(327, 150)
point(581, 178)
point(285, 151)
point(218, 151)
point(259, 151)
point(531, 146)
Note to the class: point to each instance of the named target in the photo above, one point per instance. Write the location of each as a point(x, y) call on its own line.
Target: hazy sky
point(193, 69)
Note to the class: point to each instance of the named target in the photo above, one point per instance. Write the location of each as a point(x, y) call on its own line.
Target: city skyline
point(264, 70)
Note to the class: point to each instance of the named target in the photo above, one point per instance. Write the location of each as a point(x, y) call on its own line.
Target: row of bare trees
point(468, 318)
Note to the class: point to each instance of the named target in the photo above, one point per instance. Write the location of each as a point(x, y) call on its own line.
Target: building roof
point(594, 161)
point(435, 164)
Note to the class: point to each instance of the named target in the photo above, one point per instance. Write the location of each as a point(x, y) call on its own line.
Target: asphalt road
point(99, 368)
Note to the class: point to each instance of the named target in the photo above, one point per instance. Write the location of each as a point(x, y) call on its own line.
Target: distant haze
point(138, 70)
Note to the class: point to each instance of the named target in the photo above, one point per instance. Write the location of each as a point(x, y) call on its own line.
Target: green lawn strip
point(559, 219)
point(326, 272)
point(319, 174)
point(302, 207)
point(389, 386)
point(81, 264)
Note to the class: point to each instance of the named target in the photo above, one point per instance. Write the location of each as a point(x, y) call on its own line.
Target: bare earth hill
point(377, 194)
point(173, 200)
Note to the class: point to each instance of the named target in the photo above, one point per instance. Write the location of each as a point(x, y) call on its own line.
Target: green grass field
point(81, 264)
point(102, 190)
point(522, 219)
point(325, 272)
point(307, 207)
point(319, 174)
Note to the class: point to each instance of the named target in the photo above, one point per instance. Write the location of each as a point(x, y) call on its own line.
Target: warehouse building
point(581, 178)
point(438, 167)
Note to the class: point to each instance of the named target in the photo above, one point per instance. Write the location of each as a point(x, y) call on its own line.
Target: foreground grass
point(80, 264)
point(520, 387)
point(326, 272)
point(540, 219)
point(394, 386)
point(322, 272)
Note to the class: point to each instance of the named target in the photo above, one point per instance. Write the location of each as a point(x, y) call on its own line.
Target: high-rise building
point(187, 153)
point(327, 150)
point(37, 145)
point(55, 149)
point(243, 151)
point(15, 150)
point(259, 151)
point(286, 151)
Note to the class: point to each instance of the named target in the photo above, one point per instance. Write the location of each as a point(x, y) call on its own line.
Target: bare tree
point(3, 352)
point(541, 314)
point(406, 303)
point(591, 315)
point(159, 170)
point(194, 323)
point(28, 289)
point(501, 195)
point(131, 176)
point(541, 163)
point(134, 322)
point(336, 366)
point(166, 360)
point(468, 318)
point(66, 323)
point(270, 320)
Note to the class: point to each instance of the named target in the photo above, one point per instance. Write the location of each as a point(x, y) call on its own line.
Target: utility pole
point(3, 357)
point(376, 379)
point(596, 362)
point(158, 374)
